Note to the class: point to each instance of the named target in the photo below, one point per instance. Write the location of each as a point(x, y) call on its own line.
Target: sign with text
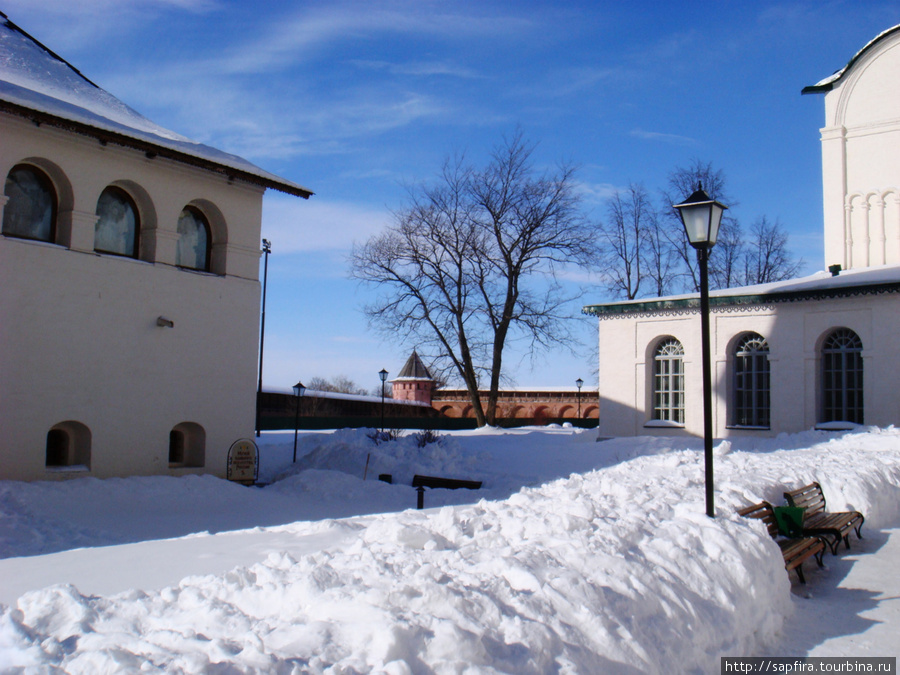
point(243, 462)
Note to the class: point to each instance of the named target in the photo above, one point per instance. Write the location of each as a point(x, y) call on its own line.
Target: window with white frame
point(751, 382)
point(668, 381)
point(842, 377)
point(30, 212)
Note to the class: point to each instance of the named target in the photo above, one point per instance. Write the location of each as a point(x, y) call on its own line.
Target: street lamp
point(299, 390)
point(701, 217)
point(383, 375)
point(579, 383)
point(267, 249)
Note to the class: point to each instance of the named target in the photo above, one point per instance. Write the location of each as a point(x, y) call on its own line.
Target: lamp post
point(299, 390)
point(579, 383)
point(267, 249)
point(701, 216)
point(383, 375)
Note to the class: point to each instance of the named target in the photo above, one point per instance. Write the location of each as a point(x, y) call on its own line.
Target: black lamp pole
point(701, 217)
point(383, 375)
point(579, 383)
point(267, 249)
point(299, 390)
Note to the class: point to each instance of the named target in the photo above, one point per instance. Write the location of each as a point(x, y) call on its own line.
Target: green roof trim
point(693, 302)
point(829, 82)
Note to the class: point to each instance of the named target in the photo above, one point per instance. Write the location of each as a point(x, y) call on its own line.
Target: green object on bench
point(833, 527)
point(790, 520)
point(794, 550)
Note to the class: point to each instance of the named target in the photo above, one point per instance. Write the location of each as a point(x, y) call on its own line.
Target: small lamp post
point(383, 375)
point(579, 383)
point(701, 216)
point(267, 249)
point(299, 390)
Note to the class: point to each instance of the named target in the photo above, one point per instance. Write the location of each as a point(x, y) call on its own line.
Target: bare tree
point(625, 237)
point(766, 256)
point(469, 264)
point(340, 384)
point(681, 184)
point(727, 270)
point(663, 259)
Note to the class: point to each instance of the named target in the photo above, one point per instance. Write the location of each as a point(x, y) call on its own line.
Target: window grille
point(668, 381)
point(842, 377)
point(751, 382)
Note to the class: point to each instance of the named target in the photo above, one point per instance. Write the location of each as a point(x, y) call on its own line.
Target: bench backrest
point(809, 497)
point(765, 513)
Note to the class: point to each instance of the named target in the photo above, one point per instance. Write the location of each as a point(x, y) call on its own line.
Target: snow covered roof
point(39, 85)
point(819, 286)
point(829, 82)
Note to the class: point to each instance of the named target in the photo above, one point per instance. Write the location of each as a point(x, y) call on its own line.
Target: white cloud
point(298, 225)
point(672, 139)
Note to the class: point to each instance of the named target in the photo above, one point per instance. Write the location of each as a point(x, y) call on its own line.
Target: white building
point(129, 292)
point(820, 351)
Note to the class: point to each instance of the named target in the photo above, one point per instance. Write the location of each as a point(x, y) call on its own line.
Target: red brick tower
point(414, 383)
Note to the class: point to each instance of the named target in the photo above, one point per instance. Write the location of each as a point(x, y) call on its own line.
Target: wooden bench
point(794, 551)
point(446, 483)
point(422, 482)
point(818, 522)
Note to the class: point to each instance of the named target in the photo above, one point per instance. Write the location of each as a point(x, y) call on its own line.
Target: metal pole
point(296, 424)
point(382, 407)
point(702, 258)
point(267, 248)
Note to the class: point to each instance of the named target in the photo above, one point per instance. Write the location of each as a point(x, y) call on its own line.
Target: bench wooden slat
point(817, 521)
point(793, 551)
point(446, 483)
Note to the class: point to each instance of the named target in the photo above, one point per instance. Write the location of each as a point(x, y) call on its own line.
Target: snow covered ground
point(575, 557)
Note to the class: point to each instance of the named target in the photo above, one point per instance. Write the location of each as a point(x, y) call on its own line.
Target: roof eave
point(693, 302)
point(151, 149)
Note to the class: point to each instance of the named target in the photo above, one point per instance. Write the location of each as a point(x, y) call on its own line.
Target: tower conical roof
point(414, 369)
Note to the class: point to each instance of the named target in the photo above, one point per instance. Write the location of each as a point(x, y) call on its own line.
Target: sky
point(360, 100)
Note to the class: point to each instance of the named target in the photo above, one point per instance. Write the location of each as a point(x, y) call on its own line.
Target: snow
point(817, 282)
point(576, 556)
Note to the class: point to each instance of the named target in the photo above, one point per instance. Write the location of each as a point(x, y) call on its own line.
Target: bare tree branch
point(468, 265)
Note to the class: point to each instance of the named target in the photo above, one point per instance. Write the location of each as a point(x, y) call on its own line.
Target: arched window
point(842, 377)
point(30, 212)
point(194, 244)
point(117, 229)
point(751, 381)
point(668, 381)
point(187, 445)
point(68, 446)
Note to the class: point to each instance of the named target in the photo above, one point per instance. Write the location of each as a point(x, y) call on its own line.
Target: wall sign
point(243, 462)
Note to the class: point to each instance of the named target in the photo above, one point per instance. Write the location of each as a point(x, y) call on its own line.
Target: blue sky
point(356, 100)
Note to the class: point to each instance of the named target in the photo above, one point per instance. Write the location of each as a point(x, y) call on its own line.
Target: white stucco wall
point(79, 334)
point(794, 332)
point(861, 160)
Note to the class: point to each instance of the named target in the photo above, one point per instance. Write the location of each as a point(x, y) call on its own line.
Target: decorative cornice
point(735, 303)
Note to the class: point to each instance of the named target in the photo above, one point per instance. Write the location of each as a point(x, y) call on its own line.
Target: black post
point(267, 248)
point(296, 424)
point(702, 258)
point(382, 407)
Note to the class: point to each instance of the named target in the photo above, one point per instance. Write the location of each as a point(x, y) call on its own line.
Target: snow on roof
point(37, 83)
point(828, 83)
point(818, 285)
